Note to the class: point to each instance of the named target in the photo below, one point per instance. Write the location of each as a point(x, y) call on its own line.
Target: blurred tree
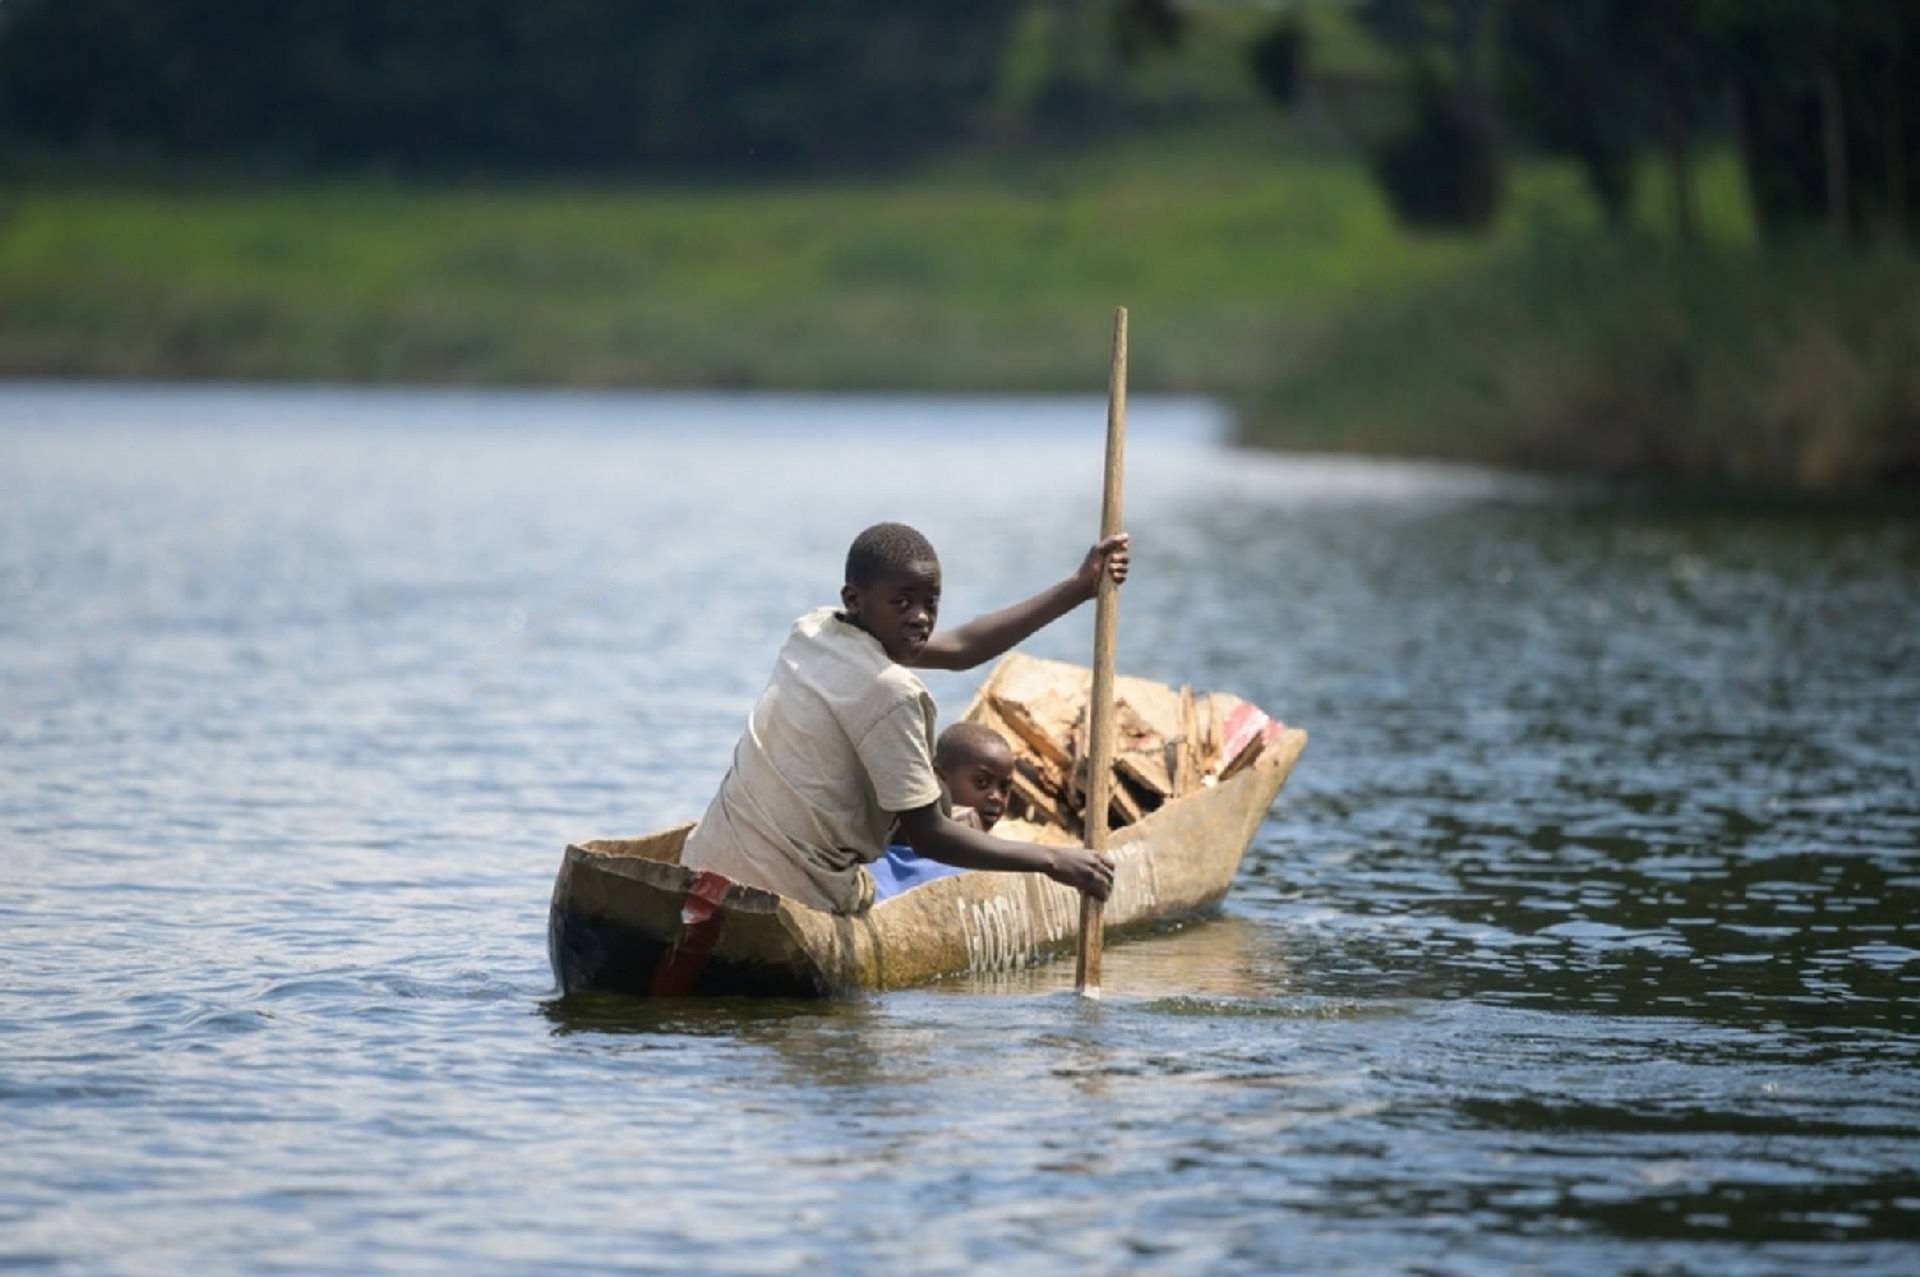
point(1822, 96)
point(1441, 171)
point(1668, 42)
point(435, 84)
point(1568, 83)
point(1084, 40)
point(1601, 80)
point(1141, 27)
point(1822, 92)
point(1441, 167)
point(1278, 57)
point(1827, 105)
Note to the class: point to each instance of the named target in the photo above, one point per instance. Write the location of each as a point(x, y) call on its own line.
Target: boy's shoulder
point(853, 660)
point(903, 684)
point(826, 628)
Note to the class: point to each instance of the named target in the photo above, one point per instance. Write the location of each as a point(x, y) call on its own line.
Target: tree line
point(439, 85)
point(1820, 98)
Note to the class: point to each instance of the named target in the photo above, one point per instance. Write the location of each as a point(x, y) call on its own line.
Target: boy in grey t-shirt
point(839, 748)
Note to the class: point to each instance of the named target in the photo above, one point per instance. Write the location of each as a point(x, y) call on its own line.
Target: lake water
point(1583, 940)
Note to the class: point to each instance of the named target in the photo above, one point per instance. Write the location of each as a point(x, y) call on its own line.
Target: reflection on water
point(1583, 940)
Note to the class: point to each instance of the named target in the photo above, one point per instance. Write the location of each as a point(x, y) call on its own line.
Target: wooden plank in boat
point(1039, 798)
point(1027, 729)
point(1186, 764)
point(1140, 752)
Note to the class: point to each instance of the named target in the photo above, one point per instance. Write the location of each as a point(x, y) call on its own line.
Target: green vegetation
point(448, 86)
point(1597, 290)
point(985, 273)
point(1796, 370)
point(1267, 273)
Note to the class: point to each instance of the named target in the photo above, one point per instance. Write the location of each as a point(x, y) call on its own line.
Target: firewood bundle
point(1167, 744)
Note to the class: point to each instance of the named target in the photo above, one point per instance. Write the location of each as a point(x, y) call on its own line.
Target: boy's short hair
point(887, 550)
point(964, 742)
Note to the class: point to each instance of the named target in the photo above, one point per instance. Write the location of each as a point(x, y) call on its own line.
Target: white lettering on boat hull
point(1002, 932)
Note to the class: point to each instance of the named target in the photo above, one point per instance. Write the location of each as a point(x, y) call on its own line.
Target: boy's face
point(983, 780)
point(898, 610)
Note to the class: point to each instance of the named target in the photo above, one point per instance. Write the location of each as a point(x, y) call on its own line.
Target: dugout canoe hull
point(627, 916)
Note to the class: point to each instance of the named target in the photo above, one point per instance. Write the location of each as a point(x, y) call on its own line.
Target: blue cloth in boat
point(900, 868)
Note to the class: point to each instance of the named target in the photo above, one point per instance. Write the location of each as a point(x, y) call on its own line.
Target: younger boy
point(975, 767)
point(839, 749)
point(973, 762)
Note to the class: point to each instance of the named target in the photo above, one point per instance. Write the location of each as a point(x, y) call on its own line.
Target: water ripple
point(1583, 941)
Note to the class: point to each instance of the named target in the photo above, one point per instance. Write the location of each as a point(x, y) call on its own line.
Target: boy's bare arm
point(937, 837)
point(984, 638)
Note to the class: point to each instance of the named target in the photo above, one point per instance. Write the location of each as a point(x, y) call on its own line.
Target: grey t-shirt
point(841, 741)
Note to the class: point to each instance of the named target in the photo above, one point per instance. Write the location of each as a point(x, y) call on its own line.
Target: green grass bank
point(981, 275)
point(1259, 267)
point(1797, 370)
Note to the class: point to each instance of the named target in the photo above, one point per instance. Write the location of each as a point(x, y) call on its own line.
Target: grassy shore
point(987, 273)
point(1797, 370)
point(1259, 266)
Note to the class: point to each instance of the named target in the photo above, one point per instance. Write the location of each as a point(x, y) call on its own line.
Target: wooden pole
point(1106, 606)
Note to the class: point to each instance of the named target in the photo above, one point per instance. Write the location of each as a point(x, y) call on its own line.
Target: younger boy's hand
point(1113, 552)
point(1083, 870)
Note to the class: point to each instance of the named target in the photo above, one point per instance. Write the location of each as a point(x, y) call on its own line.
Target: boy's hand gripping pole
point(1086, 979)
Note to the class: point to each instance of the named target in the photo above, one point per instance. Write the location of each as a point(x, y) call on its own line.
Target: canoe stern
point(628, 917)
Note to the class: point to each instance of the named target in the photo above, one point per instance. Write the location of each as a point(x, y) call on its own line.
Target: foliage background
point(1654, 237)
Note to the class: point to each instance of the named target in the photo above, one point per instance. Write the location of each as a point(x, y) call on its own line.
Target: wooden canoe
point(627, 916)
